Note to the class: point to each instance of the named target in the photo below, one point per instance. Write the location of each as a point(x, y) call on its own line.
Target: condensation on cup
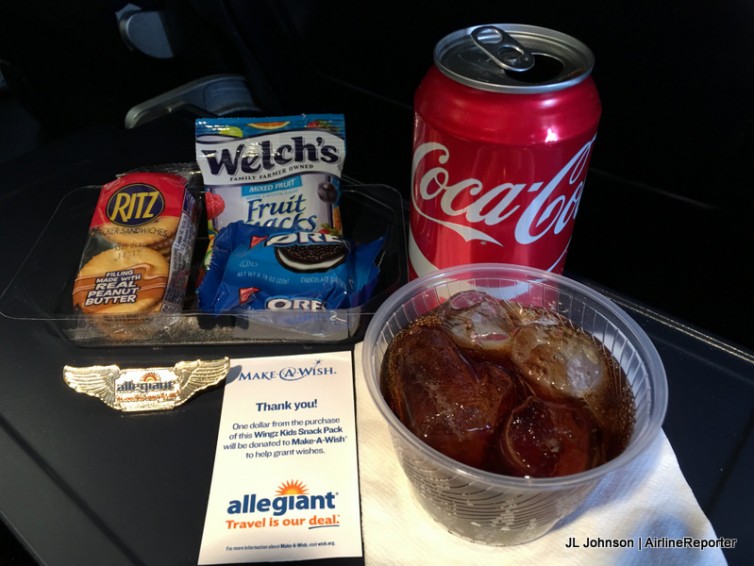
point(505, 122)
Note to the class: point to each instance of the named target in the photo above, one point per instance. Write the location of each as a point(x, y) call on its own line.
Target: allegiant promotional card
point(285, 484)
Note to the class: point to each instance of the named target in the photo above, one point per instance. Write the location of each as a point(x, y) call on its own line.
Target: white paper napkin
point(649, 499)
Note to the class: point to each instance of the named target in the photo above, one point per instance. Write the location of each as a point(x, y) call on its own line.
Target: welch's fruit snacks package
point(278, 172)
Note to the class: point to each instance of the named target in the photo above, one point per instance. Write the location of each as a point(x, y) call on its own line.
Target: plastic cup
point(491, 508)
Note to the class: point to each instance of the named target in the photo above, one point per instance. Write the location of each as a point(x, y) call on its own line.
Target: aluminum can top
point(513, 58)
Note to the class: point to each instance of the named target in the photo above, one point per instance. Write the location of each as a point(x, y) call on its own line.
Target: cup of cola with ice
point(509, 393)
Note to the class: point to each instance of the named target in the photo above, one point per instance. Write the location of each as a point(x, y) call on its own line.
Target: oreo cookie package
point(258, 267)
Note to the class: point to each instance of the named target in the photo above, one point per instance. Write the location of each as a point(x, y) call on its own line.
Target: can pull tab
point(504, 51)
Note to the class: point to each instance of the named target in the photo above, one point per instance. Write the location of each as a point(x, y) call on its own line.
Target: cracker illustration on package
point(146, 389)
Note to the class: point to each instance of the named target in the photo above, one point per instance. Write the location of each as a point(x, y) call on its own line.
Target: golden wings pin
point(146, 389)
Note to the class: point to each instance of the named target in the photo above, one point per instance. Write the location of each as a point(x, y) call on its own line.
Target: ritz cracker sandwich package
point(137, 257)
point(273, 188)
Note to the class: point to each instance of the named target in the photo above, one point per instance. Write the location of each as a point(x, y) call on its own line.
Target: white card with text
point(285, 484)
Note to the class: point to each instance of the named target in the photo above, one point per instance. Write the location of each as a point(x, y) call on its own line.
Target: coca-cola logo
point(551, 210)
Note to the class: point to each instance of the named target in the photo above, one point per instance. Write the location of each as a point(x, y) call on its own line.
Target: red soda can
point(504, 126)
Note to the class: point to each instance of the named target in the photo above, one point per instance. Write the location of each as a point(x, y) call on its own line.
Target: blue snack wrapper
point(259, 267)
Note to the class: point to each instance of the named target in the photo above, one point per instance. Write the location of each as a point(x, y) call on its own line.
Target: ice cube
point(437, 393)
point(475, 319)
point(558, 360)
point(546, 439)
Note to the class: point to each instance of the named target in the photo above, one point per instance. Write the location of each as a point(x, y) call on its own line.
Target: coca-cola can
point(505, 122)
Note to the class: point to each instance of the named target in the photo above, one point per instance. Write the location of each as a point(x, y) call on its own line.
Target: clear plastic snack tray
point(41, 289)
